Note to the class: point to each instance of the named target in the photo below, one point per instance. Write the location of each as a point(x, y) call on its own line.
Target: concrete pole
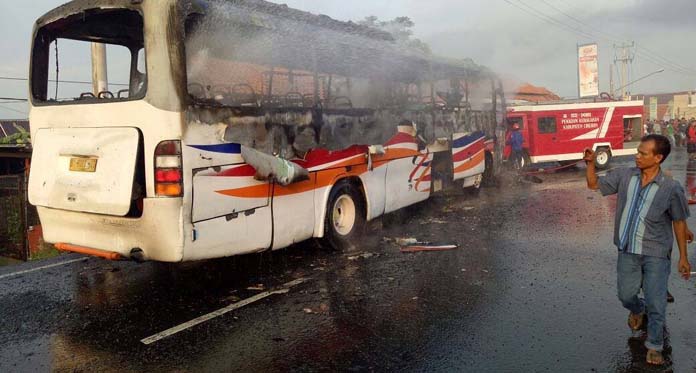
point(611, 80)
point(99, 77)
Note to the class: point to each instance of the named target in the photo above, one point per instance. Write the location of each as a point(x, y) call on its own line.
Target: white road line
point(171, 331)
point(42, 267)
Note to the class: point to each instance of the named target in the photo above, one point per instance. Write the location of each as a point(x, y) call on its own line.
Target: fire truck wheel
point(603, 158)
point(345, 216)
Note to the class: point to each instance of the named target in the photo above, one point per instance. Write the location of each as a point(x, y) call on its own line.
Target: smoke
point(268, 59)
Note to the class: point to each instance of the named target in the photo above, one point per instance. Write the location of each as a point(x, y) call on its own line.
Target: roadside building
point(18, 219)
point(667, 106)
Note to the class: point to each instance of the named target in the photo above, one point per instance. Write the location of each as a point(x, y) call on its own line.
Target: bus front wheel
point(345, 216)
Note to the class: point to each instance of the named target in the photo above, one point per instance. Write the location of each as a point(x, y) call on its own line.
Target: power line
point(60, 81)
point(529, 10)
point(13, 99)
point(644, 52)
point(16, 111)
point(578, 32)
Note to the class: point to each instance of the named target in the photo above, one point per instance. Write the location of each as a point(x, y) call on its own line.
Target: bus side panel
point(243, 234)
point(408, 181)
point(230, 211)
point(293, 212)
point(373, 183)
point(468, 155)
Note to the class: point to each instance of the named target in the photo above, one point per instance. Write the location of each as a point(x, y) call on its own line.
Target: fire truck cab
point(559, 132)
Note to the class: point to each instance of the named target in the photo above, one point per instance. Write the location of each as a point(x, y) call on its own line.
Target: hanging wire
point(57, 70)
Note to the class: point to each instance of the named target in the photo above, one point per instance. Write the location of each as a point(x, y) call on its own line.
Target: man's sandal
point(655, 357)
point(635, 321)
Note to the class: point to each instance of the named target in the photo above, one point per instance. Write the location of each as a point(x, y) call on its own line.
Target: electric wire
point(624, 38)
point(10, 109)
point(61, 81)
point(647, 54)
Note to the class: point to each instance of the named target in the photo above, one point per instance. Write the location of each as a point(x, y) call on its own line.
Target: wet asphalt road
point(531, 288)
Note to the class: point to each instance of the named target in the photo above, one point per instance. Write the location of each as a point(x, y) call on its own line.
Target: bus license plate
point(83, 164)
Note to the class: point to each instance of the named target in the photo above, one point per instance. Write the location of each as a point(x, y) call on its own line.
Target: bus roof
point(360, 50)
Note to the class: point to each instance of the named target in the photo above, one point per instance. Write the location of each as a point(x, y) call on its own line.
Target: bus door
point(231, 210)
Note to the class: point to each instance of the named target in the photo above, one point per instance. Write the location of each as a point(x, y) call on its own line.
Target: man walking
point(650, 206)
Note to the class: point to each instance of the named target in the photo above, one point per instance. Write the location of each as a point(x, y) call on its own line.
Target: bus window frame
point(42, 50)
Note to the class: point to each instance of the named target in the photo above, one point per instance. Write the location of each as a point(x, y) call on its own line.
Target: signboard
point(669, 114)
point(653, 108)
point(588, 71)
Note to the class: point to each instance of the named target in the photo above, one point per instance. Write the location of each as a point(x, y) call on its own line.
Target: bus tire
point(489, 172)
point(603, 157)
point(345, 216)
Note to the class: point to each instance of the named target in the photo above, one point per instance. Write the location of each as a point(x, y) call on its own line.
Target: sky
point(524, 40)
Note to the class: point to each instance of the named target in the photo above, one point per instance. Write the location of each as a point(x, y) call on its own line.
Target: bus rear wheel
point(345, 216)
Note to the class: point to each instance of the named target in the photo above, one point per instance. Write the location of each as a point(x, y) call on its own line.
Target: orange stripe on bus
point(318, 179)
point(473, 162)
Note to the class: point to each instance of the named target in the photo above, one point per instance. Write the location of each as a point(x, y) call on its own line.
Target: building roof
point(14, 133)
point(528, 92)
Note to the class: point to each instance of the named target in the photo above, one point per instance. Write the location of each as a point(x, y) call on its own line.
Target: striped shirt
point(644, 214)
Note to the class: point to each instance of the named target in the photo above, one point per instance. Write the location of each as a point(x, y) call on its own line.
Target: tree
point(402, 30)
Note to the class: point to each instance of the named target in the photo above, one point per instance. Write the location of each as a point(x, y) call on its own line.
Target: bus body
point(219, 145)
point(561, 131)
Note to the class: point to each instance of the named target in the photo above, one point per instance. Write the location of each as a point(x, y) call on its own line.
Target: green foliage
point(14, 225)
point(19, 138)
point(401, 29)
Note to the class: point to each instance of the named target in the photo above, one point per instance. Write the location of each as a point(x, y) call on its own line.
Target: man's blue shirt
point(644, 214)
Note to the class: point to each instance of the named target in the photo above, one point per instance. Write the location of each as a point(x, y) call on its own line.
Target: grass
point(5, 261)
point(47, 251)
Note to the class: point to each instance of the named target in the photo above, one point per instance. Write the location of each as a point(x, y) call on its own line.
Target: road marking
point(42, 267)
point(171, 331)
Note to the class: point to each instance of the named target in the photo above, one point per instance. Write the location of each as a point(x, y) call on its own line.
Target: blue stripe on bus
point(466, 140)
point(229, 148)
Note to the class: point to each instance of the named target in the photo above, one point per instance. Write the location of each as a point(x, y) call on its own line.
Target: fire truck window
point(547, 125)
point(518, 121)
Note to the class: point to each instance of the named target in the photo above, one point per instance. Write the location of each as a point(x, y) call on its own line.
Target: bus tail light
point(168, 169)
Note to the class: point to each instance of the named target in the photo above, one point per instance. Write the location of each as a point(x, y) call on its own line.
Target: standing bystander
point(650, 206)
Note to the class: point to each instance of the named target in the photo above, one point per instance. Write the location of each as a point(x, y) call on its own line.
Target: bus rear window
point(96, 56)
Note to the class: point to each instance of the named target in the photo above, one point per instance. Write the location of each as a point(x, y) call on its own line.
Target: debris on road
point(307, 310)
point(433, 221)
point(426, 247)
point(403, 241)
point(363, 256)
point(257, 287)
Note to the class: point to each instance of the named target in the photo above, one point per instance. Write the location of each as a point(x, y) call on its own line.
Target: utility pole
point(99, 75)
point(624, 54)
point(611, 79)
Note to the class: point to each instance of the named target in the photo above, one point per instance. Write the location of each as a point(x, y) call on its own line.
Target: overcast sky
point(530, 40)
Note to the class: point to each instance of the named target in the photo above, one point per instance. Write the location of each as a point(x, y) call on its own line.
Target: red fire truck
point(560, 131)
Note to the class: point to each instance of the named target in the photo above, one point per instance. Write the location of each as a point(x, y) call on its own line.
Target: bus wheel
point(603, 158)
point(345, 216)
point(488, 172)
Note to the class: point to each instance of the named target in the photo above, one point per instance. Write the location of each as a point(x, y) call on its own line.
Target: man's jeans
point(650, 272)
